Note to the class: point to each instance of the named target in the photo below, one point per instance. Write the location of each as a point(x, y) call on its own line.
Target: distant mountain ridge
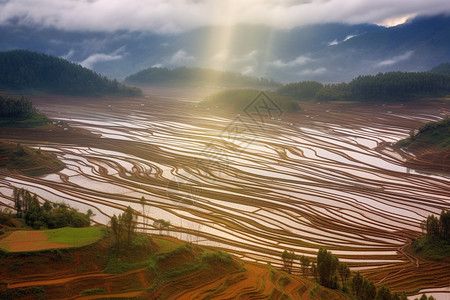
point(443, 68)
point(330, 52)
point(196, 77)
point(23, 70)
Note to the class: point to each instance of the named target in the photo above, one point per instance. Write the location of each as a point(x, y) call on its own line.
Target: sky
point(175, 16)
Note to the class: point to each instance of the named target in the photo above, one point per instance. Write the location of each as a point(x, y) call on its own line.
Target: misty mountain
point(325, 52)
point(196, 77)
point(443, 68)
point(24, 70)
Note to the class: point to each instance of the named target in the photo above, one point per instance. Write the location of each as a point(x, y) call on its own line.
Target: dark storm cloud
point(169, 16)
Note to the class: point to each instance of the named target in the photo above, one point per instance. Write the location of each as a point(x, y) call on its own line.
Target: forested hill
point(443, 68)
point(430, 146)
point(196, 77)
point(23, 70)
point(386, 87)
point(20, 113)
point(431, 135)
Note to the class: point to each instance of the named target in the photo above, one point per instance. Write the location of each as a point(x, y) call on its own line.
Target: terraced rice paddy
point(324, 177)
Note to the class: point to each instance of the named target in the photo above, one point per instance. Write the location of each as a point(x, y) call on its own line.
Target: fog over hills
point(331, 52)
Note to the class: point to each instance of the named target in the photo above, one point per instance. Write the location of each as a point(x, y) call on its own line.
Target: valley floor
point(254, 185)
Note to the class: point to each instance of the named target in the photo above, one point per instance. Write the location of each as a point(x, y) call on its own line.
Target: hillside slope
point(196, 77)
point(430, 146)
point(172, 270)
point(23, 70)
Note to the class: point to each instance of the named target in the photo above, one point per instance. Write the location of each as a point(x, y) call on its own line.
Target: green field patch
point(40, 240)
point(165, 245)
point(76, 237)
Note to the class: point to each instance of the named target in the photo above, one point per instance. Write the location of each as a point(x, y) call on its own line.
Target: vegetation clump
point(161, 225)
point(288, 260)
point(435, 243)
point(327, 271)
point(20, 112)
point(237, 100)
point(47, 215)
point(432, 134)
point(390, 86)
point(430, 146)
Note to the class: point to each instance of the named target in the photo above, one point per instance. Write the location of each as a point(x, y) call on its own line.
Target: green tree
point(433, 226)
point(383, 293)
point(129, 220)
point(399, 296)
point(424, 297)
point(288, 260)
point(357, 282)
point(304, 264)
point(123, 228)
point(161, 225)
point(368, 290)
point(144, 213)
point(444, 220)
point(114, 224)
point(314, 271)
point(344, 273)
point(327, 264)
point(17, 202)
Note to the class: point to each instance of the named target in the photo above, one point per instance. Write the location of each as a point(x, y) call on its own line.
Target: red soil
point(64, 278)
point(21, 241)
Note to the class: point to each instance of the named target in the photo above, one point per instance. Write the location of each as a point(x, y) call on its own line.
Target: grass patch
point(185, 260)
point(115, 265)
point(76, 237)
point(4, 248)
point(136, 256)
point(165, 245)
point(34, 119)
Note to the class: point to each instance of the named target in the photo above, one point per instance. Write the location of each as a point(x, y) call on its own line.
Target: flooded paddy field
point(322, 177)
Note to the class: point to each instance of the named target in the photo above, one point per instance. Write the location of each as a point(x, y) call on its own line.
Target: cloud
point(98, 57)
point(335, 41)
point(395, 59)
point(311, 72)
point(300, 60)
point(349, 37)
point(248, 70)
point(181, 58)
point(69, 54)
point(173, 16)
point(101, 57)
